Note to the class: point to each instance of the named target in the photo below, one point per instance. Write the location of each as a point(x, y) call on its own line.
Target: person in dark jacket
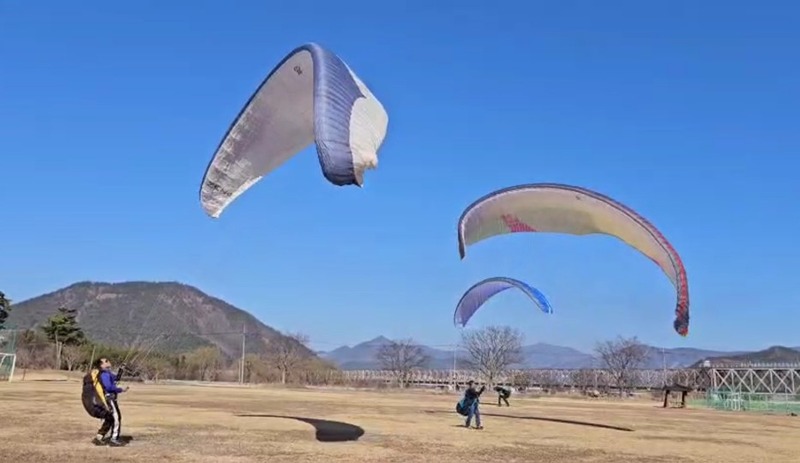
point(503, 394)
point(104, 384)
point(471, 402)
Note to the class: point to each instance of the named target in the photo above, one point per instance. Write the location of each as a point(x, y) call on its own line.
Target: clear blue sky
point(687, 111)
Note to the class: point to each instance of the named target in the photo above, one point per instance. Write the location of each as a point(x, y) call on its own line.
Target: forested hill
point(772, 355)
point(172, 316)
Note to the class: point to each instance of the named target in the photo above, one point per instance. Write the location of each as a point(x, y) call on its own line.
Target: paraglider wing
point(310, 96)
point(548, 207)
point(484, 290)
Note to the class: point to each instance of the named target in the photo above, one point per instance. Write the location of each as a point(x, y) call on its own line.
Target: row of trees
point(493, 351)
point(61, 343)
point(283, 361)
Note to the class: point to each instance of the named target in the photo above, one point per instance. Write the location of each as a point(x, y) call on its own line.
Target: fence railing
point(547, 378)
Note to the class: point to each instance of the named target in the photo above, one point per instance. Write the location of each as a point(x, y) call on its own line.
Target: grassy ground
point(43, 421)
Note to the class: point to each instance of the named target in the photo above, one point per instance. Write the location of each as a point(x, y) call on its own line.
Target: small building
point(683, 390)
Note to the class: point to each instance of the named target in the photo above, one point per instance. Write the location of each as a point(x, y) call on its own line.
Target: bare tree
point(549, 380)
point(72, 356)
point(318, 372)
point(401, 358)
point(621, 357)
point(586, 380)
point(493, 350)
point(287, 352)
point(255, 369)
point(522, 379)
point(156, 368)
point(205, 361)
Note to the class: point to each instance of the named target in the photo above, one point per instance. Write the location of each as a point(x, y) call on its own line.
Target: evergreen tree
point(5, 308)
point(63, 329)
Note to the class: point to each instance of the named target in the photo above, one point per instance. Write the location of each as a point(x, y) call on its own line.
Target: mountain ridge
point(163, 315)
point(361, 356)
point(770, 355)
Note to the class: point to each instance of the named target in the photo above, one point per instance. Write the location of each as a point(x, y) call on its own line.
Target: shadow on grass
point(541, 418)
point(123, 439)
point(327, 431)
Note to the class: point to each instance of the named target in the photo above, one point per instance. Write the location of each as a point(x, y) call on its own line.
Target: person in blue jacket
point(104, 384)
point(471, 404)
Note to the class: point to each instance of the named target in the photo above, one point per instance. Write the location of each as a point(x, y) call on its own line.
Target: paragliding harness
point(460, 408)
point(93, 395)
point(463, 406)
point(471, 396)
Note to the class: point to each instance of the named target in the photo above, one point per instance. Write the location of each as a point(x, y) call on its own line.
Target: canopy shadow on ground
point(542, 418)
point(326, 430)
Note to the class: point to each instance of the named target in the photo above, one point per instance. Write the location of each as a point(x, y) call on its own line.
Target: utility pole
point(58, 352)
point(455, 352)
point(244, 346)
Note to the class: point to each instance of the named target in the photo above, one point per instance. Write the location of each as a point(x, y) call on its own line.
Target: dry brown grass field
point(43, 421)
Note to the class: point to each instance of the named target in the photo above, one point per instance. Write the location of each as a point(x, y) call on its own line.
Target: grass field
point(43, 421)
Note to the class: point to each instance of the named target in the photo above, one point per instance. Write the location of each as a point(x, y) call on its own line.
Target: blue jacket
point(109, 382)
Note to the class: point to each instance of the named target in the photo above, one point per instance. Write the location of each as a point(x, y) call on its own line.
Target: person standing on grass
point(100, 400)
point(471, 402)
point(503, 394)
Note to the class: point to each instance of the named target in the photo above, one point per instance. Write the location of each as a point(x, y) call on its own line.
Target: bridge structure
point(542, 378)
point(755, 378)
point(752, 378)
point(758, 387)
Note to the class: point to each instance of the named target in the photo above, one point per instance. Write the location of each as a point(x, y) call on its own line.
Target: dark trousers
point(473, 410)
point(112, 421)
point(504, 398)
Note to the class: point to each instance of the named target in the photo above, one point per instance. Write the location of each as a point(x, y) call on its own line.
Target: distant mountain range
point(541, 355)
point(183, 317)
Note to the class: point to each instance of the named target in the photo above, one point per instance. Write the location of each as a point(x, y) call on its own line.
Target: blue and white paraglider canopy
point(311, 96)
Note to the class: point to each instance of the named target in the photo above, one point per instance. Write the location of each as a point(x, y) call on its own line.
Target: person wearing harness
point(471, 403)
point(503, 394)
point(99, 398)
